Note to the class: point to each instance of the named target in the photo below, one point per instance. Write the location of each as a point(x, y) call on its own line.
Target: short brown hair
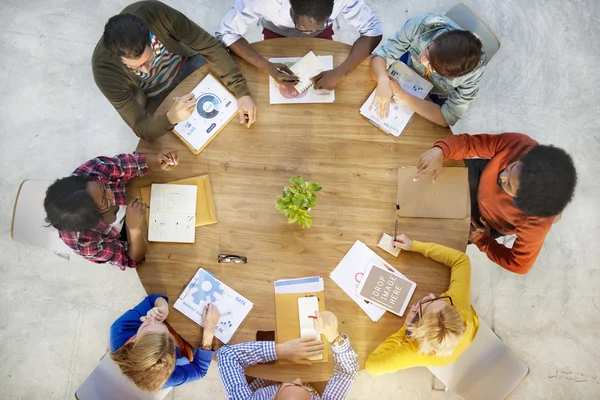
point(148, 361)
point(438, 333)
point(455, 53)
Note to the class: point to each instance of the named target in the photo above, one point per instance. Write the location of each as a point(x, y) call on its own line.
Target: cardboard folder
point(287, 321)
point(205, 204)
point(447, 198)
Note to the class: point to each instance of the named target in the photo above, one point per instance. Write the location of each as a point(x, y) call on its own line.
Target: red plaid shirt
point(102, 244)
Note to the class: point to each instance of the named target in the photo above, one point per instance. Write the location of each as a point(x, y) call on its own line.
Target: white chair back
point(29, 219)
point(107, 382)
point(487, 370)
point(469, 21)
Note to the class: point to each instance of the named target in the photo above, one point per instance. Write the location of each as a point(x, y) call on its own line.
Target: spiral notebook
point(304, 92)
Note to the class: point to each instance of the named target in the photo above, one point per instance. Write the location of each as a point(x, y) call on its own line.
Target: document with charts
point(172, 213)
point(215, 107)
point(304, 92)
point(204, 288)
point(400, 113)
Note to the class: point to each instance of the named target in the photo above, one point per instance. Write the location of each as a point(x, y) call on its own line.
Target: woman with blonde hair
point(150, 353)
point(438, 328)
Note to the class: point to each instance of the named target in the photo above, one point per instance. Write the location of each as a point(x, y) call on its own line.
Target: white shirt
point(275, 16)
point(118, 224)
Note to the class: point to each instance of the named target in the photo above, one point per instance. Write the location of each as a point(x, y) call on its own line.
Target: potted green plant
point(297, 200)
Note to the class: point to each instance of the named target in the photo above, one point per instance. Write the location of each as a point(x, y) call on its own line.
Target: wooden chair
point(469, 21)
point(107, 382)
point(488, 369)
point(29, 219)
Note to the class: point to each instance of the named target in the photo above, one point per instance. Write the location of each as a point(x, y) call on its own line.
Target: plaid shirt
point(233, 359)
point(102, 244)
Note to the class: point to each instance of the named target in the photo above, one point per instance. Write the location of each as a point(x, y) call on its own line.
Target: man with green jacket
point(145, 52)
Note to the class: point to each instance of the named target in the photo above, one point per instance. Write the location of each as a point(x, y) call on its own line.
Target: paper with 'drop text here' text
point(386, 289)
point(172, 213)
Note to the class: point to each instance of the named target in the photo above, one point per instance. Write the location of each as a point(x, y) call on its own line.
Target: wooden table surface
point(331, 144)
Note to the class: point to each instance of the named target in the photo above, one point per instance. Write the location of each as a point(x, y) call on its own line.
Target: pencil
point(395, 232)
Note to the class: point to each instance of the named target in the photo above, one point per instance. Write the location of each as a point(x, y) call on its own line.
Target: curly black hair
point(315, 10)
point(126, 35)
point(546, 181)
point(69, 207)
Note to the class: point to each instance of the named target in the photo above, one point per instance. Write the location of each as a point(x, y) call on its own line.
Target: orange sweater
point(495, 205)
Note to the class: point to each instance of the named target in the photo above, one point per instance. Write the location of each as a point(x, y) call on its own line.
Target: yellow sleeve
point(394, 354)
point(460, 276)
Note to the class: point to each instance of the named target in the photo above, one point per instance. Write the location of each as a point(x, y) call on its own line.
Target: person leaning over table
point(151, 354)
point(438, 329)
point(90, 211)
point(299, 18)
point(145, 52)
point(517, 186)
point(440, 51)
point(234, 359)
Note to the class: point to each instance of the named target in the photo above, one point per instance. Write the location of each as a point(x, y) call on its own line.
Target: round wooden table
point(331, 144)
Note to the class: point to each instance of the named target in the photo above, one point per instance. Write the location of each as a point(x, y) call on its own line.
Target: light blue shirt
point(275, 16)
point(418, 33)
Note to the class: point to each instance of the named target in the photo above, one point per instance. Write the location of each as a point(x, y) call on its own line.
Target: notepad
point(172, 213)
point(282, 94)
point(385, 288)
point(386, 242)
point(307, 306)
point(306, 68)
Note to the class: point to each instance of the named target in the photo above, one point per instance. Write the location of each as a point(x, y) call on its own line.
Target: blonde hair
point(148, 361)
point(438, 333)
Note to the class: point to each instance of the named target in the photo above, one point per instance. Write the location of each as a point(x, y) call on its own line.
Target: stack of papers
point(351, 270)
point(299, 285)
point(400, 113)
point(303, 92)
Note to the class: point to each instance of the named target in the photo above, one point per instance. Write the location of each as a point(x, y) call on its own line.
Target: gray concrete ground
point(55, 314)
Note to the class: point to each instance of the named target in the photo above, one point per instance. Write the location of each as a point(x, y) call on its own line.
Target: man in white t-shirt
point(300, 18)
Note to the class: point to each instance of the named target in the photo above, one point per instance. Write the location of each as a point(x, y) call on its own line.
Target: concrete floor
point(55, 314)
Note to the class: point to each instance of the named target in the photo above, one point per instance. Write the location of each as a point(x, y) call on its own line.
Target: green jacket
point(180, 36)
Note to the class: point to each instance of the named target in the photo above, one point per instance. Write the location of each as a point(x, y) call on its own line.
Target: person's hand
point(246, 110)
point(411, 314)
point(479, 229)
point(327, 325)
point(404, 242)
point(168, 160)
point(159, 313)
point(299, 350)
point(383, 98)
point(210, 317)
point(429, 162)
point(182, 109)
point(327, 80)
point(135, 215)
point(287, 77)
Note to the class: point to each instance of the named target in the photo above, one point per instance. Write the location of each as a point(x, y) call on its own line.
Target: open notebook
point(304, 92)
point(172, 213)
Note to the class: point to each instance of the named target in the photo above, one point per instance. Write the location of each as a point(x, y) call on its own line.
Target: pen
point(397, 202)
point(312, 316)
point(395, 232)
point(284, 72)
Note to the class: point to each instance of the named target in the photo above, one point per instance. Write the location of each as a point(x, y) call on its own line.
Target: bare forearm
point(161, 302)
point(137, 244)
point(153, 162)
point(378, 70)
point(426, 109)
point(243, 49)
point(207, 338)
point(361, 49)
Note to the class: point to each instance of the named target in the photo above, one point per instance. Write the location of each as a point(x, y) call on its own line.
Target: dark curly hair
point(126, 35)
point(455, 53)
point(315, 10)
point(546, 181)
point(69, 207)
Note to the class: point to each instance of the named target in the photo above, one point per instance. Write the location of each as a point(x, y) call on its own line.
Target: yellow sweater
point(399, 352)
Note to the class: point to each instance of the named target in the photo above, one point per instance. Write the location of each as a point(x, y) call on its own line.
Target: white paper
point(280, 94)
point(172, 213)
point(307, 306)
point(349, 272)
point(310, 65)
point(214, 108)
point(400, 113)
point(311, 284)
point(205, 288)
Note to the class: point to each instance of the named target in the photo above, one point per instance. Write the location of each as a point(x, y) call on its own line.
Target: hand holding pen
point(168, 160)
point(283, 75)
